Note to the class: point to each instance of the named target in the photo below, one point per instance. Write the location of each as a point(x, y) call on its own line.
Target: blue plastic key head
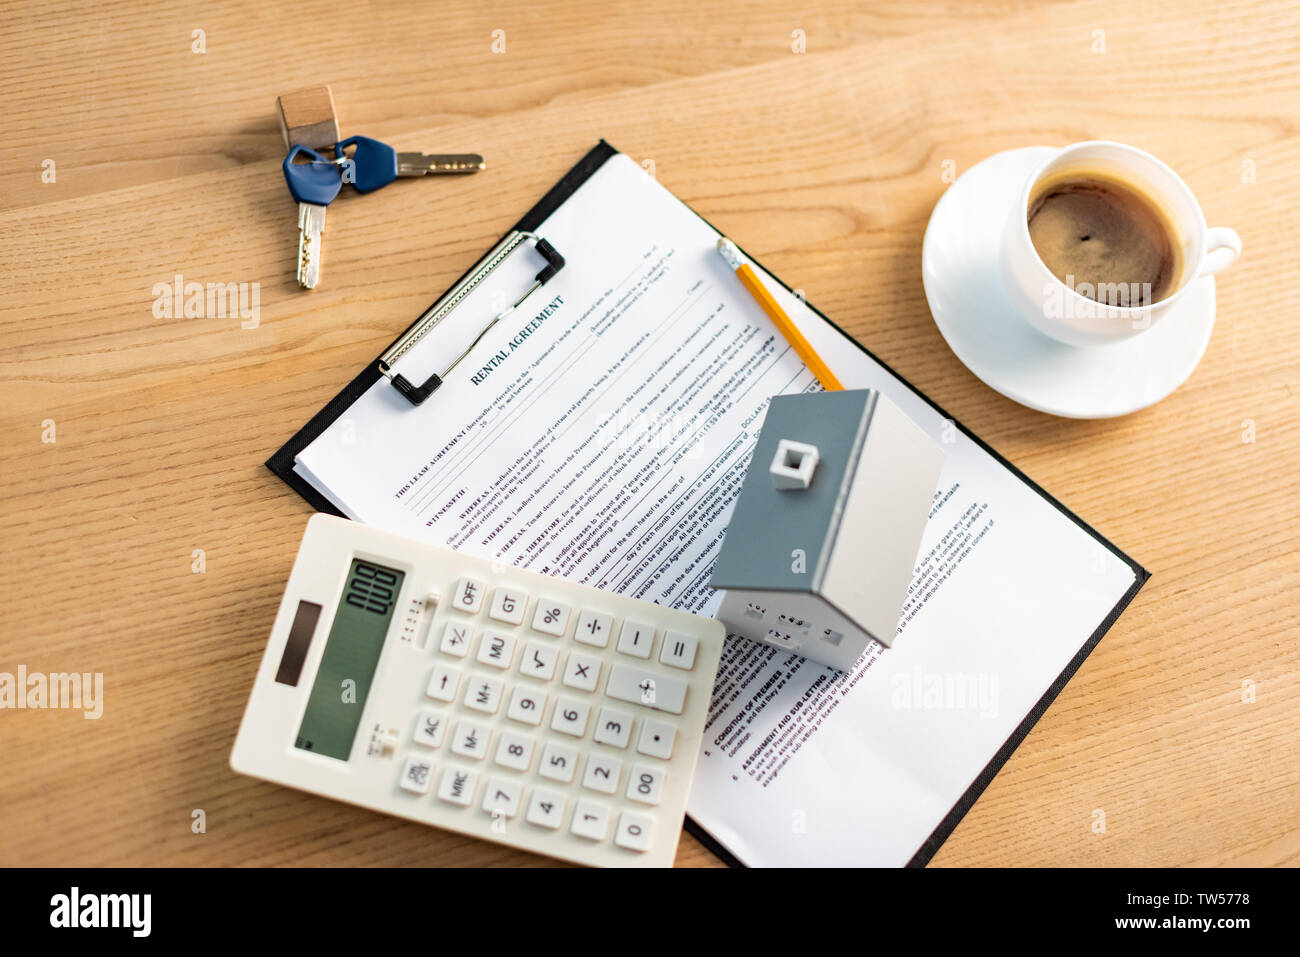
point(316, 182)
point(372, 166)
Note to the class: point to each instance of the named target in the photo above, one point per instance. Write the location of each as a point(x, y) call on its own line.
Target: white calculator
point(476, 697)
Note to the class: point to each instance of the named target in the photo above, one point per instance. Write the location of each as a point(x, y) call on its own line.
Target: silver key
point(422, 164)
point(313, 186)
point(311, 226)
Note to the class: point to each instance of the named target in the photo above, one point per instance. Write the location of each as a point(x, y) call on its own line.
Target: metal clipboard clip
point(443, 307)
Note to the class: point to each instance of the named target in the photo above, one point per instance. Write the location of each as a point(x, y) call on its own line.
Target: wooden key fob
point(307, 118)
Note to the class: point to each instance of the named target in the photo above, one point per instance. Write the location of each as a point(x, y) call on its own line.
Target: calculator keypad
point(506, 703)
point(545, 715)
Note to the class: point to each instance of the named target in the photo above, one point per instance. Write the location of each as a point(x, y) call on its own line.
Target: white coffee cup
point(1059, 310)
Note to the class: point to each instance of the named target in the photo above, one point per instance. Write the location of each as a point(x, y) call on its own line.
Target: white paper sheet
point(604, 438)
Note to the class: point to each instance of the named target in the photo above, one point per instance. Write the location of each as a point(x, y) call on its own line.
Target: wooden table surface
point(826, 164)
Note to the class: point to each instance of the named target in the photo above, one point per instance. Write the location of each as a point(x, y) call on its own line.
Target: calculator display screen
point(347, 666)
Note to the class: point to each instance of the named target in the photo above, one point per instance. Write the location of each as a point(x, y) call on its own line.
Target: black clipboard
point(281, 463)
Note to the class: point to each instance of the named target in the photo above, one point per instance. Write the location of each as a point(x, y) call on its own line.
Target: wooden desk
point(825, 164)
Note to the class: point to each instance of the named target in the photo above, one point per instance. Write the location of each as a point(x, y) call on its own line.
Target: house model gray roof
point(770, 525)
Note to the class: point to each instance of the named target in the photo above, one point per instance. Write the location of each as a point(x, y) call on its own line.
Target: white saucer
point(974, 312)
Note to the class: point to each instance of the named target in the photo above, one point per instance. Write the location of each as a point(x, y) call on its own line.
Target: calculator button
point(468, 596)
point(417, 775)
point(546, 808)
point(558, 762)
point(457, 786)
point(455, 639)
point(502, 798)
point(443, 683)
point(514, 751)
point(645, 784)
point(484, 694)
point(508, 606)
point(590, 820)
point(678, 651)
point(613, 727)
point(551, 617)
point(636, 639)
point(526, 706)
point(571, 717)
point(634, 831)
point(582, 672)
point(593, 628)
point(602, 773)
point(539, 660)
point(430, 726)
point(496, 649)
point(627, 683)
point(657, 739)
point(470, 739)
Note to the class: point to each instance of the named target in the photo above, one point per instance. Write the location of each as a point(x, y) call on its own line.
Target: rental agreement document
point(601, 432)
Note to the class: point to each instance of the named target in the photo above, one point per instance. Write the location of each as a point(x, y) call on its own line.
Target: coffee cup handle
point(1222, 246)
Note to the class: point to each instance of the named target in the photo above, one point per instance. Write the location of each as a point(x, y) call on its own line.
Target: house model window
point(794, 464)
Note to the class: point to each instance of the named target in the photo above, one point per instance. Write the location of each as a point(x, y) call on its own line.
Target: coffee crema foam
point(1105, 237)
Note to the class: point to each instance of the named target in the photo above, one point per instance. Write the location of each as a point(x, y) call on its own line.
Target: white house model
point(823, 540)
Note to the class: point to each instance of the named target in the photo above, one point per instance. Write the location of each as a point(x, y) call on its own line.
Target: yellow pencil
point(750, 280)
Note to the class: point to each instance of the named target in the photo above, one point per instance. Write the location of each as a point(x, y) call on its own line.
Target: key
point(373, 165)
point(438, 164)
point(313, 186)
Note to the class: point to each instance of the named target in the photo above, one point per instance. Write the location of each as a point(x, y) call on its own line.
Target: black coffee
point(1105, 239)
